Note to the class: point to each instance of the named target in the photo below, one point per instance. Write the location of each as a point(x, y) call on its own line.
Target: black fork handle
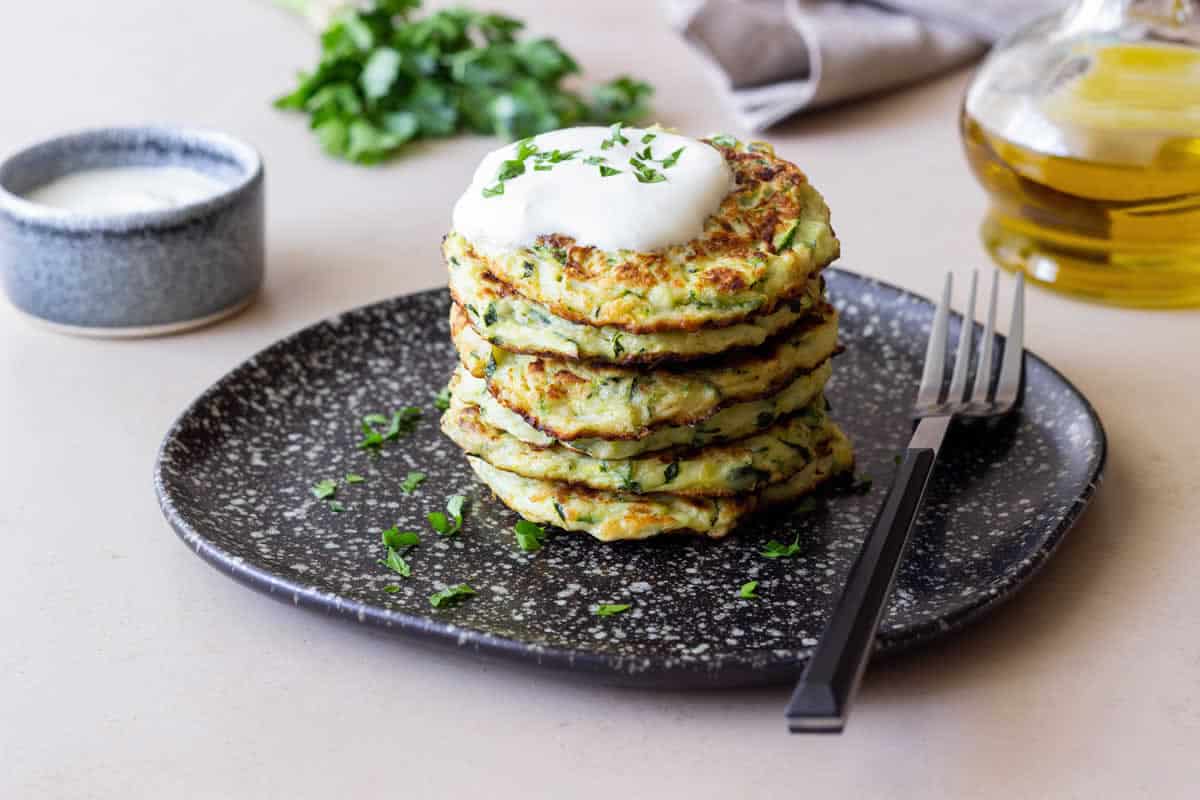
point(830, 681)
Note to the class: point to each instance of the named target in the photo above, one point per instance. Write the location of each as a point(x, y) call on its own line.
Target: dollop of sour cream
point(122, 190)
point(598, 195)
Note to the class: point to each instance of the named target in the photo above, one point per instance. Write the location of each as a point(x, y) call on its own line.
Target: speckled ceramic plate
point(234, 473)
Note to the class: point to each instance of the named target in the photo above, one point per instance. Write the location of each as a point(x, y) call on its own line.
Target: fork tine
point(983, 371)
point(962, 358)
point(935, 352)
point(1009, 383)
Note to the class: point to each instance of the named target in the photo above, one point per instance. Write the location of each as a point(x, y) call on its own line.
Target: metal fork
point(826, 689)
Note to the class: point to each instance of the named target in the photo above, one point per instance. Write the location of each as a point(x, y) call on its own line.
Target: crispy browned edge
point(766, 234)
point(639, 359)
point(823, 447)
point(459, 319)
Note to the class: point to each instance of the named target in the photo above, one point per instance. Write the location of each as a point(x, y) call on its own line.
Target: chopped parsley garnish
point(448, 526)
point(450, 595)
point(392, 588)
point(724, 140)
point(396, 540)
point(530, 537)
point(558, 509)
point(396, 564)
point(441, 400)
point(608, 172)
point(325, 489)
point(388, 76)
point(644, 172)
point(671, 472)
point(747, 591)
point(672, 159)
point(777, 549)
point(609, 609)
point(412, 481)
point(401, 422)
point(353, 478)
point(336, 506)
point(594, 161)
point(615, 138)
point(648, 138)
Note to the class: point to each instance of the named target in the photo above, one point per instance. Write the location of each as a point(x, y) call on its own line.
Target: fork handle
point(823, 696)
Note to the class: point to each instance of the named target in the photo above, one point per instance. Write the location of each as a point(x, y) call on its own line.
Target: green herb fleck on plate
point(610, 609)
point(450, 595)
point(353, 478)
point(777, 549)
point(748, 589)
point(412, 481)
point(325, 489)
point(448, 525)
point(530, 536)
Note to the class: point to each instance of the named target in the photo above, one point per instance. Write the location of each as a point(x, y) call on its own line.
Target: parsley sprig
point(530, 536)
point(778, 549)
point(451, 595)
point(402, 422)
point(448, 526)
point(398, 542)
point(609, 609)
point(387, 77)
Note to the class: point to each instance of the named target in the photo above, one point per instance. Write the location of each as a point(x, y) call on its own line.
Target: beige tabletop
point(129, 668)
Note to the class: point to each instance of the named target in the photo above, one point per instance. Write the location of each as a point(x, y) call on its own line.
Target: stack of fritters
point(629, 394)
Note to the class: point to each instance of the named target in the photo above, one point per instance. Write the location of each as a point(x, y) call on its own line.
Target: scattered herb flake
point(648, 138)
point(392, 588)
point(403, 421)
point(440, 523)
point(672, 159)
point(353, 478)
point(448, 525)
point(325, 489)
point(454, 504)
point(609, 609)
point(724, 140)
point(777, 549)
point(450, 595)
point(397, 539)
point(441, 400)
point(396, 564)
point(412, 481)
point(747, 591)
point(530, 537)
point(608, 172)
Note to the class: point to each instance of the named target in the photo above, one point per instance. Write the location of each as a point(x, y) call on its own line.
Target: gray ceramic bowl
point(140, 273)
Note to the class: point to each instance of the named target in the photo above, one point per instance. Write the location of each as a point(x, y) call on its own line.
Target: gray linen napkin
point(773, 58)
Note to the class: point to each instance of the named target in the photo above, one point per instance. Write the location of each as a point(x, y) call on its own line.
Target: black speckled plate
point(234, 472)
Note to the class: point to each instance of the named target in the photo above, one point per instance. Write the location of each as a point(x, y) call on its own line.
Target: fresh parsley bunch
point(386, 78)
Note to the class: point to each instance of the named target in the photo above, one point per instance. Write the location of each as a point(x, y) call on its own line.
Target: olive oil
point(1093, 167)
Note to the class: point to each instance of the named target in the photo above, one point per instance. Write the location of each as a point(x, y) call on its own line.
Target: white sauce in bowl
point(572, 197)
point(122, 190)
